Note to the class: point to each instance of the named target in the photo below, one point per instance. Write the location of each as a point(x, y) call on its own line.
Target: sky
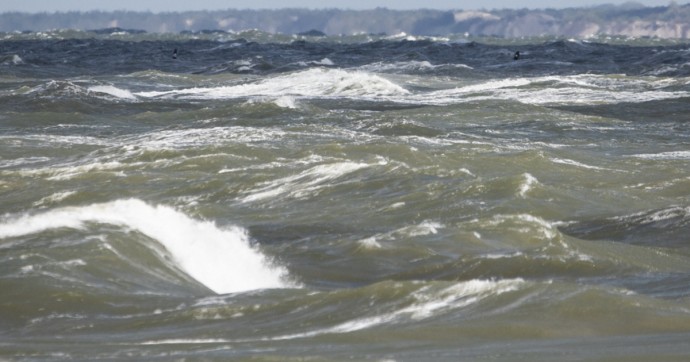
point(184, 5)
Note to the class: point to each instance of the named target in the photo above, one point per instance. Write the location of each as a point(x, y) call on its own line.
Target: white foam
point(184, 341)
point(415, 65)
point(13, 60)
point(672, 155)
point(527, 185)
point(428, 302)
point(314, 82)
point(325, 61)
point(422, 229)
point(21, 161)
point(221, 259)
point(459, 295)
point(657, 216)
point(282, 102)
point(182, 139)
point(54, 87)
point(565, 161)
point(68, 140)
point(589, 96)
point(533, 225)
point(69, 172)
point(61, 88)
point(113, 91)
point(495, 256)
point(495, 85)
point(405, 36)
point(383, 66)
point(365, 84)
point(54, 198)
point(425, 228)
point(286, 102)
point(370, 243)
point(304, 183)
point(578, 89)
point(397, 205)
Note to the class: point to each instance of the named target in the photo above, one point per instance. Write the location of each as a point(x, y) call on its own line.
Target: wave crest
point(315, 82)
point(220, 259)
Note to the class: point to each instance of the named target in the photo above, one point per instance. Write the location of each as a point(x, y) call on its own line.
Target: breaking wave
point(220, 258)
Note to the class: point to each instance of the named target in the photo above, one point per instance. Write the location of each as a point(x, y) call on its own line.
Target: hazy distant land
point(630, 19)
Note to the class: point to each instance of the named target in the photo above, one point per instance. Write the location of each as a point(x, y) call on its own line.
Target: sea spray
point(221, 259)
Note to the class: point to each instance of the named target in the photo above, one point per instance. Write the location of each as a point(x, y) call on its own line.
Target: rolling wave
point(220, 259)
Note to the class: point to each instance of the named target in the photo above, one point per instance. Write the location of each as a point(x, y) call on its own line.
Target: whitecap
point(219, 258)
point(13, 59)
point(527, 224)
point(325, 61)
point(424, 228)
point(54, 198)
point(370, 243)
point(565, 161)
point(671, 155)
point(314, 82)
point(529, 183)
point(184, 341)
point(305, 183)
point(411, 231)
point(113, 92)
point(428, 302)
point(582, 89)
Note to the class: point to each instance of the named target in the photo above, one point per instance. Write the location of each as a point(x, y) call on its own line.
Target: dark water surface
point(268, 197)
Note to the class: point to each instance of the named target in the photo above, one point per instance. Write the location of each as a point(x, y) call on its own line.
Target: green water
point(390, 211)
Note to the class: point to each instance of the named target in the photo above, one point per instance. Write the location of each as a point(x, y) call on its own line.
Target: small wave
point(66, 172)
point(666, 227)
point(494, 256)
point(282, 102)
point(184, 341)
point(112, 91)
point(525, 224)
point(559, 90)
point(370, 243)
point(13, 59)
point(324, 62)
point(423, 229)
point(200, 137)
point(56, 88)
point(527, 185)
point(22, 161)
point(220, 259)
point(494, 85)
point(427, 302)
point(565, 161)
point(672, 213)
point(305, 183)
point(54, 198)
point(672, 155)
point(68, 89)
point(411, 66)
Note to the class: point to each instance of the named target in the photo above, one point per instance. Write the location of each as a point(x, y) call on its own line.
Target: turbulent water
point(377, 198)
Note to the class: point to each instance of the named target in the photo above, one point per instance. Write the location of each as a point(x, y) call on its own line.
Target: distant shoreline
point(666, 22)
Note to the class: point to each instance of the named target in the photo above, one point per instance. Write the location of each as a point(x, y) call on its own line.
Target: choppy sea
point(373, 198)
